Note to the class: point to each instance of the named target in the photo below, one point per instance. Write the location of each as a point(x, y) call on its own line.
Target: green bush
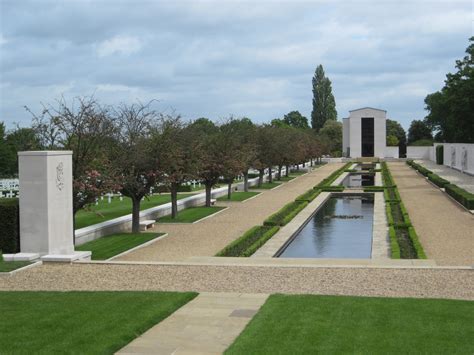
point(423, 170)
point(374, 189)
point(462, 196)
point(331, 178)
point(420, 253)
point(9, 225)
point(388, 211)
point(422, 143)
point(440, 154)
point(331, 188)
point(285, 214)
point(437, 180)
point(308, 195)
point(248, 243)
point(394, 247)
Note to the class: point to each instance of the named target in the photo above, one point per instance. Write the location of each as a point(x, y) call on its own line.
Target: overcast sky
point(217, 58)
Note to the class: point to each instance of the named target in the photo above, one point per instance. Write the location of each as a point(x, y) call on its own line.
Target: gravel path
point(209, 236)
point(422, 283)
point(445, 229)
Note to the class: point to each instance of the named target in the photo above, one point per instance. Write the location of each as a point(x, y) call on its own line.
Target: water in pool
point(342, 228)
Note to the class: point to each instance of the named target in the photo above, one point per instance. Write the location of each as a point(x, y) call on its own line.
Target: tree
point(393, 128)
point(85, 127)
point(451, 110)
point(131, 156)
point(172, 148)
point(331, 134)
point(296, 120)
point(21, 139)
point(419, 130)
point(267, 151)
point(324, 104)
point(7, 156)
point(392, 141)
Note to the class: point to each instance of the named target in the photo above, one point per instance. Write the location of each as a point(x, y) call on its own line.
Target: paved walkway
point(445, 229)
point(381, 282)
point(455, 177)
point(209, 236)
point(208, 324)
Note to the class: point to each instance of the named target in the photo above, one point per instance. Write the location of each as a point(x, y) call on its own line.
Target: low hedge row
point(438, 180)
point(331, 178)
point(464, 197)
point(374, 189)
point(248, 243)
point(9, 225)
point(404, 242)
point(285, 214)
point(421, 169)
point(309, 195)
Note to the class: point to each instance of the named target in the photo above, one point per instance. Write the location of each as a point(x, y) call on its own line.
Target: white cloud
point(119, 44)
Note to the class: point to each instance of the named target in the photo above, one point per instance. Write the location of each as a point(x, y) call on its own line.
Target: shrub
point(285, 214)
point(394, 247)
point(308, 195)
point(420, 253)
point(331, 188)
point(422, 143)
point(9, 226)
point(462, 196)
point(388, 211)
point(423, 170)
point(437, 180)
point(248, 243)
point(440, 154)
point(331, 178)
point(374, 189)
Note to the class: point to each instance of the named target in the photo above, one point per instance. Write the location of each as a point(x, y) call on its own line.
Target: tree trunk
point(73, 228)
point(311, 162)
point(304, 164)
point(279, 172)
point(229, 189)
point(287, 172)
point(246, 181)
point(261, 172)
point(136, 215)
point(174, 200)
point(208, 194)
point(270, 175)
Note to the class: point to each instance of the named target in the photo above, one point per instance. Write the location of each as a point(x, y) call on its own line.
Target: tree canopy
point(419, 130)
point(296, 119)
point(324, 104)
point(451, 110)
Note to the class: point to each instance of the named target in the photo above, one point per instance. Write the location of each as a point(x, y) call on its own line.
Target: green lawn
point(105, 211)
point(7, 266)
point(80, 322)
point(287, 178)
point(111, 245)
point(239, 196)
point(358, 325)
point(266, 186)
point(190, 215)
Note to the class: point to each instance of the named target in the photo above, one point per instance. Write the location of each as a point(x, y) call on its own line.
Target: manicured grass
point(358, 325)
point(105, 211)
point(239, 196)
point(111, 245)
point(7, 266)
point(80, 322)
point(190, 215)
point(266, 186)
point(286, 178)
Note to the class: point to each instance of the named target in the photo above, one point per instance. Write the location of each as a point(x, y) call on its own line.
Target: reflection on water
point(342, 228)
point(358, 180)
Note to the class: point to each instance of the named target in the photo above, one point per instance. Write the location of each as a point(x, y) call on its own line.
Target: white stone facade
point(353, 144)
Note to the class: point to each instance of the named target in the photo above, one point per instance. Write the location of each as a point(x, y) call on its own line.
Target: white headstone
point(46, 218)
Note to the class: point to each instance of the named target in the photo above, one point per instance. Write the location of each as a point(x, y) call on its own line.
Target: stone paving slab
point(445, 230)
point(206, 325)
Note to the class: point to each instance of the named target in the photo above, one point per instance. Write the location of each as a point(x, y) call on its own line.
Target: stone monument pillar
point(46, 212)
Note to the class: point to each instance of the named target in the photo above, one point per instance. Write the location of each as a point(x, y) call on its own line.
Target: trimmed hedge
point(440, 154)
point(285, 214)
point(464, 197)
point(422, 170)
point(331, 188)
point(248, 243)
point(438, 180)
point(9, 225)
point(394, 248)
point(331, 178)
point(374, 189)
point(308, 196)
point(420, 253)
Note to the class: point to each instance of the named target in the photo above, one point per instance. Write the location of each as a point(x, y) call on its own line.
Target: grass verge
point(80, 322)
point(111, 245)
point(191, 214)
point(239, 196)
point(297, 324)
point(7, 266)
point(105, 211)
point(266, 186)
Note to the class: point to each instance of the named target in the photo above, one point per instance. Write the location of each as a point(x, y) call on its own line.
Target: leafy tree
point(267, 151)
point(295, 119)
point(324, 104)
point(331, 134)
point(392, 141)
point(451, 110)
point(278, 122)
point(7, 156)
point(394, 128)
point(419, 130)
point(131, 157)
